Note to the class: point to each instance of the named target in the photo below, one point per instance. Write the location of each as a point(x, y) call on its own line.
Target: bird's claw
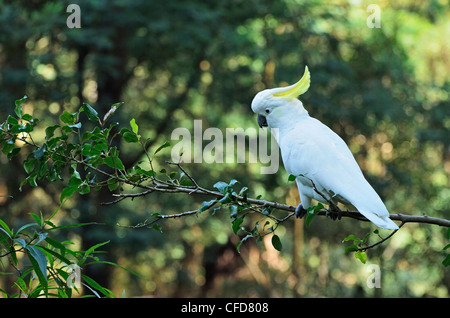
point(300, 211)
point(334, 212)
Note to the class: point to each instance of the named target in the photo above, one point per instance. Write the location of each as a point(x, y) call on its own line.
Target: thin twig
point(362, 249)
point(185, 172)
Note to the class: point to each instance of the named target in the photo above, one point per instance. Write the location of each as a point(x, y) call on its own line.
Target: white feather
point(310, 148)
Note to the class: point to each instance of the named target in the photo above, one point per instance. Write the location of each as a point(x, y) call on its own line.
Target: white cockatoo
point(324, 166)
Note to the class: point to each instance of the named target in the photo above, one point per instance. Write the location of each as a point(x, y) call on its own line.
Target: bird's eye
point(267, 111)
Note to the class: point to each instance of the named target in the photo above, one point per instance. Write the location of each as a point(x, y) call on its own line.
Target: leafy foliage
point(51, 263)
point(50, 259)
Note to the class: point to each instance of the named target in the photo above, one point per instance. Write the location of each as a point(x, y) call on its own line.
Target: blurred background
point(383, 90)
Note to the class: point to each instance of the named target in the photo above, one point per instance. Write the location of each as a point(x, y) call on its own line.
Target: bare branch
point(172, 188)
point(156, 217)
point(165, 187)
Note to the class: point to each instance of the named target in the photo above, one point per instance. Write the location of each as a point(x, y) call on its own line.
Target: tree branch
point(164, 187)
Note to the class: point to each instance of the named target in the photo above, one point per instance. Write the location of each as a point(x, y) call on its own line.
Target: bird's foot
point(300, 211)
point(334, 212)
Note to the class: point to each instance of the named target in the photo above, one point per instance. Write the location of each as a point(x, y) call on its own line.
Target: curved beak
point(262, 121)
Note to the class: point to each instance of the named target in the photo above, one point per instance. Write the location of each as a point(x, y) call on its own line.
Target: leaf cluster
point(49, 262)
point(240, 209)
point(47, 269)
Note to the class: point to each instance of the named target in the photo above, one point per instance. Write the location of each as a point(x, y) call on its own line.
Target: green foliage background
point(384, 90)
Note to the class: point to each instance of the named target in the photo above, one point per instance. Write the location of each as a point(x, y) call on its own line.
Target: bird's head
point(276, 104)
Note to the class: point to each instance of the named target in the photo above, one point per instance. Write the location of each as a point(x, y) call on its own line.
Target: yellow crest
point(297, 89)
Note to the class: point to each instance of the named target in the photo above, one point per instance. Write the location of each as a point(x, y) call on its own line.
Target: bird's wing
point(314, 150)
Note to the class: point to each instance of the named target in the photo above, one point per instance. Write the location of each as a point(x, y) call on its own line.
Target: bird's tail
point(381, 221)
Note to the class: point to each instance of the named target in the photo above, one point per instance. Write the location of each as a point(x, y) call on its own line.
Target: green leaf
point(90, 112)
point(117, 105)
point(39, 153)
point(350, 237)
point(157, 228)
point(77, 125)
point(37, 218)
point(53, 252)
point(113, 184)
point(276, 242)
point(236, 225)
point(121, 267)
point(68, 118)
point(56, 244)
point(29, 165)
point(75, 180)
point(172, 175)
point(221, 186)
point(70, 225)
point(164, 145)
point(245, 238)
point(67, 193)
point(206, 205)
point(39, 257)
point(366, 237)
point(32, 180)
point(186, 183)
point(20, 241)
point(266, 210)
point(41, 237)
point(28, 117)
point(114, 162)
point(92, 283)
point(134, 126)
point(446, 261)
point(312, 212)
point(238, 246)
point(362, 256)
point(226, 199)
point(244, 193)
point(25, 227)
point(13, 153)
point(351, 248)
point(18, 108)
point(50, 131)
point(130, 137)
point(7, 146)
point(291, 178)
point(213, 212)
point(93, 248)
point(84, 189)
point(12, 120)
point(356, 242)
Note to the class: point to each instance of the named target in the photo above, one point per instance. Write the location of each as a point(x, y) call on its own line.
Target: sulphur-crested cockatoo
point(324, 166)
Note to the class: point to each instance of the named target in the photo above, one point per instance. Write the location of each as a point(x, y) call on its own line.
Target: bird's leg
point(300, 211)
point(334, 212)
